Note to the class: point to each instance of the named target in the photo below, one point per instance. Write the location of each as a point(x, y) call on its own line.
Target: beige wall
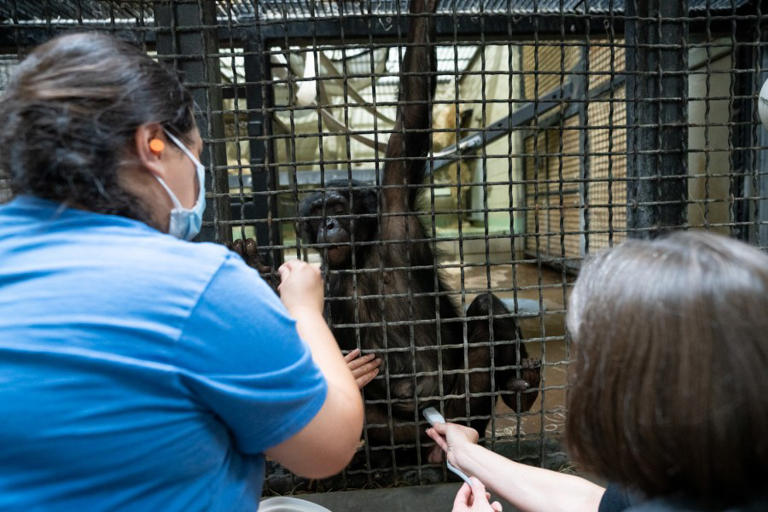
point(502, 165)
point(708, 160)
point(708, 137)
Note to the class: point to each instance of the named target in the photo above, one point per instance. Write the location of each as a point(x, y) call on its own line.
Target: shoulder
point(238, 285)
point(618, 498)
point(134, 255)
point(226, 296)
point(127, 265)
point(683, 504)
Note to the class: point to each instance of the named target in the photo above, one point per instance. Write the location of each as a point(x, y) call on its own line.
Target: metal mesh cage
point(558, 128)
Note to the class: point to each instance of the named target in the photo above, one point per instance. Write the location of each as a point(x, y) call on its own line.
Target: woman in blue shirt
point(138, 370)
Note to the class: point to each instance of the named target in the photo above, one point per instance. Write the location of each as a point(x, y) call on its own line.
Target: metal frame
point(189, 33)
point(656, 67)
point(451, 25)
point(263, 172)
point(184, 48)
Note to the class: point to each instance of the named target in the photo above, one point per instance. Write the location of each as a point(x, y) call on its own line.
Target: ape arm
point(410, 141)
point(249, 251)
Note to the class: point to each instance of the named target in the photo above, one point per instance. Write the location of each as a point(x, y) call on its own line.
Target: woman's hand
point(301, 287)
point(451, 438)
point(363, 368)
point(474, 499)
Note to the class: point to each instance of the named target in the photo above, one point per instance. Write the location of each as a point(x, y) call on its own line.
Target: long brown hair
point(70, 112)
point(669, 386)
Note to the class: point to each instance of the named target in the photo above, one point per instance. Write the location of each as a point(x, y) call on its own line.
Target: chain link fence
point(558, 128)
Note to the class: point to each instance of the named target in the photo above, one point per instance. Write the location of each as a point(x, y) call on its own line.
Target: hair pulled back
point(69, 115)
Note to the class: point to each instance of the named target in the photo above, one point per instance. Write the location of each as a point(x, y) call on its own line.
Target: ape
point(385, 296)
point(392, 295)
point(506, 336)
point(384, 293)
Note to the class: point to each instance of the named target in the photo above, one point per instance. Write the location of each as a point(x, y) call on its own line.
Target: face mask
point(185, 223)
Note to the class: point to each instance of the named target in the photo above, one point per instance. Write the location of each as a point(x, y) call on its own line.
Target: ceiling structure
point(241, 11)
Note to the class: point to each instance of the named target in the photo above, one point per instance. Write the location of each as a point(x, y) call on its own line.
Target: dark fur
point(396, 282)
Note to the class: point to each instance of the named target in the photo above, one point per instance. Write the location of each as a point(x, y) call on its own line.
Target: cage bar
point(559, 128)
point(657, 35)
point(188, 51)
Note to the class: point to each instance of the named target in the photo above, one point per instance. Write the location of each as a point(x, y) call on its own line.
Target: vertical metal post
point(656, 35)
point(187, 37)
point(762, 157)
point(260, 104)
point(743, 156)
point(580, 82)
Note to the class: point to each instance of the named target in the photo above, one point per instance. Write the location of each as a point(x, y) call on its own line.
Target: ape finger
point(236, 246)
point(436, 455)
point(251, 250)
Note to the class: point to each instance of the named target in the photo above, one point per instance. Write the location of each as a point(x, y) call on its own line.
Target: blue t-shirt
point(138, 371)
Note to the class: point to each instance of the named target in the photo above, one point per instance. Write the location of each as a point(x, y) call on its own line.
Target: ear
point(152, 161)
point(305, 208)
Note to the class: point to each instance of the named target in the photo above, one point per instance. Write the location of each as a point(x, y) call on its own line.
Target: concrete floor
point(423, 498)
point(541, 286)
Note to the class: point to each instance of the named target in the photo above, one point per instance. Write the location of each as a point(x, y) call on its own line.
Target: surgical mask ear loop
point(200, 168)
point(185, 223)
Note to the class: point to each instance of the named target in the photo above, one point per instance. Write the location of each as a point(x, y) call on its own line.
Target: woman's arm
point(328, 442)
point(529, 488)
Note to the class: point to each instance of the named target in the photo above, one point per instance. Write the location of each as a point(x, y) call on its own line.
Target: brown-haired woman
point(669, 387)
point(139, 370)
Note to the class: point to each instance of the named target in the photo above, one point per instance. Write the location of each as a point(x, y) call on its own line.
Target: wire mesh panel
point(545, 130)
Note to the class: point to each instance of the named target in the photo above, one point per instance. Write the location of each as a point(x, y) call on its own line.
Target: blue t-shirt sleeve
point(243, 359)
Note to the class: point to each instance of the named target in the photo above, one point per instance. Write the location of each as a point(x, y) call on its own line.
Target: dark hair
point(669, 386)
point(70, 112)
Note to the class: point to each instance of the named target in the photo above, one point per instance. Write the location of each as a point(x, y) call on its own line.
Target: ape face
point(340, 219)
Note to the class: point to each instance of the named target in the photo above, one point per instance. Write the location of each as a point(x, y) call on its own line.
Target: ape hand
point(474, 499)
point(530, 378)
point(363, 368)
point(249, 251)
point(531, 372)
point(301, 287)
point(530, 375)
